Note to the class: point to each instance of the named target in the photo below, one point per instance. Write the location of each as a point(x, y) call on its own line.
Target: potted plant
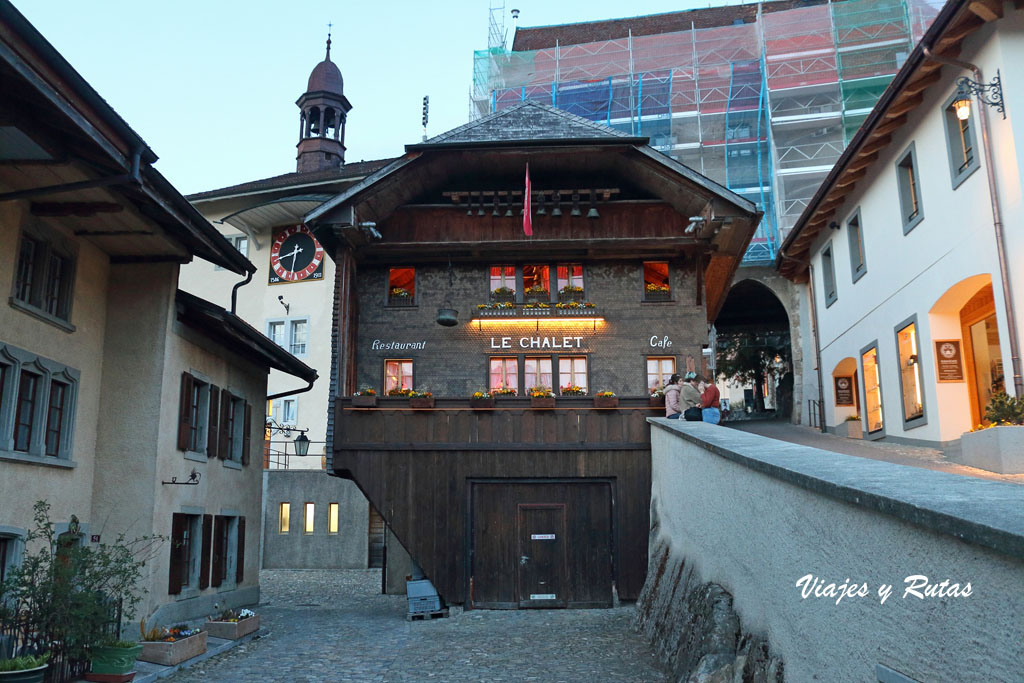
point(399, 296)
point(481, 399)
point(496, 309)
point(572, 390)
point(657, 292)
point(657, 399)
point(541, 397)
point(113, 661)
point(606, 399)
point(503, 392)
point(503, 294)
point(570, 293)
point(171, 645)
point(537, 293)
point(421, 399)
point(366, 397)
point(998, 444)
point(24, 669)
point(233, 624)
point(851, 428)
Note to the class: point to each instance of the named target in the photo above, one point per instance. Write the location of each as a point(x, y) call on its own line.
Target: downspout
point(997, 224)
point(814, 335)
point(234, 291)
point(293, 391)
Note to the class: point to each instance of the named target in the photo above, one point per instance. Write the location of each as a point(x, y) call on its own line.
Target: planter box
point(502, 298)
point(543, 402)
point(656, 402)
point(997, 449)
point(113, 660)
point(851, 429)
point(24, 676)
point(400, 301)
point(421, 402)
point(657, 296)
point(577, 312)
point(364, 401)
point(232, 630)
point(496, 313)
point(570, 296)
point(170, 654)
point(536, 312)
point(606, 401)
point(481, 402)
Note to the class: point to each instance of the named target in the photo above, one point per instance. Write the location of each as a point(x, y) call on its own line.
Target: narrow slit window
point(284, 517)
point(332, 518)
point(828, 275)
point(909, 187)
point(910, 372)
point(858, 265)
point(307, 521)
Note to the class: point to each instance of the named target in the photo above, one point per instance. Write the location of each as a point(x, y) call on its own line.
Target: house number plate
point(542, 537)
point(543, 596)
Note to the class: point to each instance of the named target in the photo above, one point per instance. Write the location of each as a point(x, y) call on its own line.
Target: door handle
point(523, 559)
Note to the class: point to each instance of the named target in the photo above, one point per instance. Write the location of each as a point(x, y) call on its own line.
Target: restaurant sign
point(949, 360)
point(532, 343)
point(844, 391)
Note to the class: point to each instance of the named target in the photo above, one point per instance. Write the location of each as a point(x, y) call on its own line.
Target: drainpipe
point(293, 391)
point(814, 335)
point(997, 223)
point(234, 291)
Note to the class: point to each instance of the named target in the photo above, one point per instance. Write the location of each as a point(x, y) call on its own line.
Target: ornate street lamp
point(988, 93)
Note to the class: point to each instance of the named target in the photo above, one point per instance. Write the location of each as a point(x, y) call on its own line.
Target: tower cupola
point(324, 110)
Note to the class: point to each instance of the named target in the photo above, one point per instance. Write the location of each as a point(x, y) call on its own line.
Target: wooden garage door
point(531, 541)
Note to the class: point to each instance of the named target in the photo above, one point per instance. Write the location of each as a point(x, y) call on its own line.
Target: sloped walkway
point(336, 626)
point(900, 454)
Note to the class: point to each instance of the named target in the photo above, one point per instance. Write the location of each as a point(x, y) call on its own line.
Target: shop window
point(828, 275)
point(572, 372)
point(910, 372)
point(332, 518)
point(38, 399)
point(397, 375)
point(659, 370)
point(538, 373)
point(307, 520)
point(960, 142)
point(570, 281)
point(872, 390)
point(503, 283)
point(858, 265)
point(401, 286)
point(504, 374)
point(908, 184)
point(44, 275)
point(284, 515)
point(537, 283)
point(656, 284)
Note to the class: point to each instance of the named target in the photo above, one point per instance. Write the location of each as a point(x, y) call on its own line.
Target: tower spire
point(328, 57)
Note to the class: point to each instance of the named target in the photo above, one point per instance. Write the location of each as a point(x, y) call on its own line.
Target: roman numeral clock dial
point(295, 256)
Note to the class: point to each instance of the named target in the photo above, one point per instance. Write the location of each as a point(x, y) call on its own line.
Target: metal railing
point(279, 455)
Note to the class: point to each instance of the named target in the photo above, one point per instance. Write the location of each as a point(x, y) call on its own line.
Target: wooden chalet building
point(630, 259)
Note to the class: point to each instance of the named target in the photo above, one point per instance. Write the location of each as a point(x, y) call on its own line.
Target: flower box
point(657, 296)
point(537, 312)
point(656, 402)
point(585, 312)
point(606, 401)
point(570, 296)
point(497, 313)
point(421, 402)
point(233, 630)
point(851, 429)
point(537, 296)
point(996, 449)
point(363, 402)
point(542, 402)
point(503, 297)
point(400, 301)
point(478, 403)
point(172, 653)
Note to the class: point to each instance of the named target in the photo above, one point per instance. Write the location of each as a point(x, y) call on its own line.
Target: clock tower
point(324, 109)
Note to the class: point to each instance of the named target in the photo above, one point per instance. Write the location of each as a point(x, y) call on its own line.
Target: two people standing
point(692, 398)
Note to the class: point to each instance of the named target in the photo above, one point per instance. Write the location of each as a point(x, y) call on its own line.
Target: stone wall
point(740, 520)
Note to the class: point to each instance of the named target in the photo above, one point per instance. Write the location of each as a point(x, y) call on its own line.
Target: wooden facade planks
point(419, 468)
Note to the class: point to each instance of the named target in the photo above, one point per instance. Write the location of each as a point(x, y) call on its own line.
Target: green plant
point(853, 418)
point(24, 662)
point(1005, 410)
point(570, 289)
point(66, 596)
point(539, 392)
point(603, 394)
point(365, 391)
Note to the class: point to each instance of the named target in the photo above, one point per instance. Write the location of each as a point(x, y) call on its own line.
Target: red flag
point(527, 221)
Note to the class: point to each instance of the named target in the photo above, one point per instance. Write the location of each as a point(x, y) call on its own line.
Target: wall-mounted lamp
point(287, 307)
point(695, 221)
point(988, 93)
point(833, 225)
point(301, 441)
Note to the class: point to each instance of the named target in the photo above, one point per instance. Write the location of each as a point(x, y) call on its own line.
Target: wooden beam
point(849, 178)
point(82, 209)
point(862, 162)
point(925, 81)
point(903, 106)
point(889, 127)
point(989, 10)
point(875, 145)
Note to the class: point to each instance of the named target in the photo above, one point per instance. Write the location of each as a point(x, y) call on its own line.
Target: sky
point(211, 85)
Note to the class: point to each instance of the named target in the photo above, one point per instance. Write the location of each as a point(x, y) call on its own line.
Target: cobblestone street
point(336, 626)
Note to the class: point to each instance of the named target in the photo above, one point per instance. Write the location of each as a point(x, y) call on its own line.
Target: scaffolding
point(764, 107)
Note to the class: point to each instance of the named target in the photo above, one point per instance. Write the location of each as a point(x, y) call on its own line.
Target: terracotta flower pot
point(364, 401)
point(233, 630)
point(606, 401)
point(543, 402)
point(421, 402)
point(481, 402)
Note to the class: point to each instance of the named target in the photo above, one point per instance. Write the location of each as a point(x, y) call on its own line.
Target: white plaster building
point(900, 249)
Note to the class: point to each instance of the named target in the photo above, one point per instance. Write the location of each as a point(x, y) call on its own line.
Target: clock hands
point(294, 253)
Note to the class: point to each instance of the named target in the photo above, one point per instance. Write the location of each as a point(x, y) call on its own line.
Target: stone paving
point(900, 454)
point(336, 626)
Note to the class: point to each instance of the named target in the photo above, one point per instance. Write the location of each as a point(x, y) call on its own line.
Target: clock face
point(295, 256)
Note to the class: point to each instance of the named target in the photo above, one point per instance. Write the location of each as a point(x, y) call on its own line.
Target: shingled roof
point(528, 121)
point(542, 37)
point(346, 172)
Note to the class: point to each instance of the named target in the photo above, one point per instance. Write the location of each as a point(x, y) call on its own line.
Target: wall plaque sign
point(532, 343)
point(542, 537)
point(543, 596)
point(844, 391)
point(949, 360)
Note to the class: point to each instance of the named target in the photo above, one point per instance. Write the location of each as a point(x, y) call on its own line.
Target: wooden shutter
point(247, 434)
point(178, 524)
point(240, 562)
point(222, 429)
point(204, 559)
point(212, 436)
point(184, 411)
point(218, 551)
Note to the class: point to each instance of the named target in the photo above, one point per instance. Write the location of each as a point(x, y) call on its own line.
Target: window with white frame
point(44, 274)
point(538, 373)
point(276, 332)
point(572, 372)
point(397, 375)
point(37, 405)
point(290, 333)
point(240, 243)
point(504, 374)
point(659, 371)
point(289, 411)
point(298, 337)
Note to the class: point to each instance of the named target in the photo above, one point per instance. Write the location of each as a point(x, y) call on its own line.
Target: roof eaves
point(359, 187)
